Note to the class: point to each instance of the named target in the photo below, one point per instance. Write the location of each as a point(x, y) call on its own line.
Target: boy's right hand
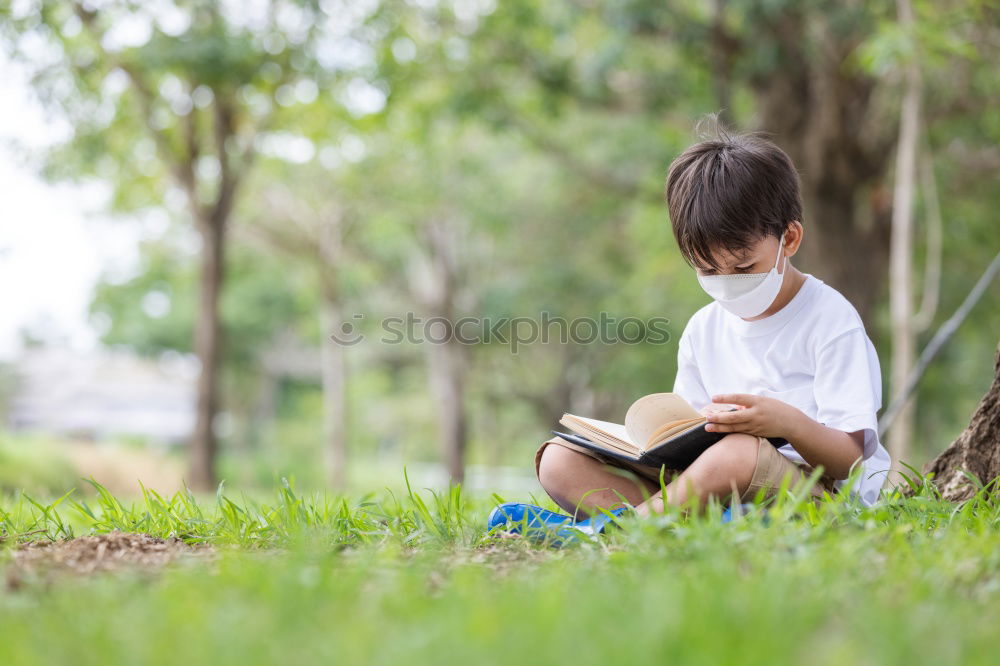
point(716, 407)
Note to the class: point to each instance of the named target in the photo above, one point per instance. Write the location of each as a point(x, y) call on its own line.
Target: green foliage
point(540, 132)
point(410, 520)
point(412, 578)
point(146, 116)
point(254, 308)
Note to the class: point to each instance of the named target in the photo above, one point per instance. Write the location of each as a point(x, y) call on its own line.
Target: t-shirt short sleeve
point(848, 386)
point(688, 383)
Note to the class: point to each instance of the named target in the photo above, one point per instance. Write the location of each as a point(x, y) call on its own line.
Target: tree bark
point(207, 345)
point(446, 366)
point(721, 58)
point(822, 113)
point(334, 379)
point(330, 248)
point(212, 221)
point(977, 449)
point(436, 285)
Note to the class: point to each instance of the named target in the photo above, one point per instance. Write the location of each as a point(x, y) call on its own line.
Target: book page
point(609, 434)
point(614, 429)
point(649, 415)
point(671, 429)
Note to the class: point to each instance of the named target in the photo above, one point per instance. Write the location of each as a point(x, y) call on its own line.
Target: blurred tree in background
point(172, 99)
point(362, 161)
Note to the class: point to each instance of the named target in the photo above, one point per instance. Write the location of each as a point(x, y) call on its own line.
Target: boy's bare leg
point(723, 469)
point(568, 476)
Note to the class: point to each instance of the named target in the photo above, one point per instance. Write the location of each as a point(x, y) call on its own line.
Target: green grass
point(410, 579)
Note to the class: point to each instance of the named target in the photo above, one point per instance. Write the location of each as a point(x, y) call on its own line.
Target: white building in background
point(103, 394)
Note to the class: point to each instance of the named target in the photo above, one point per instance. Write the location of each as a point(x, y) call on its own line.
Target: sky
point(54, 245)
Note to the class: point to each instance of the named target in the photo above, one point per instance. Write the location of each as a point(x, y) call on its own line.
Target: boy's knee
point(556, 466)
point(733, 456)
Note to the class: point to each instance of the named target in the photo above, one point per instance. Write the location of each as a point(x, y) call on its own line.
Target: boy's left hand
point(765, 417)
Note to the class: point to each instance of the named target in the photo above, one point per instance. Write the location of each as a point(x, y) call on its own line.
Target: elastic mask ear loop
point(777, 260)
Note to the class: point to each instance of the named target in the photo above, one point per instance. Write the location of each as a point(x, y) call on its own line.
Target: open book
point(660, 429)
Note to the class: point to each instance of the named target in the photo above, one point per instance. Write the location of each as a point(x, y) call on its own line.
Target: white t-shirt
point(813, 354)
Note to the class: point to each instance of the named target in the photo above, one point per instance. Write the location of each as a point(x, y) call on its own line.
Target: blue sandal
point(543, 525)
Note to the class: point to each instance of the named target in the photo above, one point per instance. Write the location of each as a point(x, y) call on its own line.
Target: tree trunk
point(435, 282)
point(330, 248)
point(334, 374)
point(207, 346)
point(722, 55)
point(446, 368)
point(211, 222)
point(901, 252)
point(977, 449)
point(849, 255)
point(821, 112)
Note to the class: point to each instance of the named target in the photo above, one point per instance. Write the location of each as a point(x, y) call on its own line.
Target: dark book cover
point(676, 453)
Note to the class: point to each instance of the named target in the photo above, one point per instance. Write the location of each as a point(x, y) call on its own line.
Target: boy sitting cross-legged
point(789, 351)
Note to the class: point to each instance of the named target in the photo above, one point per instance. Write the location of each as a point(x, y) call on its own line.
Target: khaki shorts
point(768, 473)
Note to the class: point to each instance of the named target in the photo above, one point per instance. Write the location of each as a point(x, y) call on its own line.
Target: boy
point(787, 350)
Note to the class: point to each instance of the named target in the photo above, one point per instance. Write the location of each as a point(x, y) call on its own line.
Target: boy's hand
point(765, 417)
point(716, 407)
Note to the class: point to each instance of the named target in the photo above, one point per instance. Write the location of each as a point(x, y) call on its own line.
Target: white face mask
point(746, 295)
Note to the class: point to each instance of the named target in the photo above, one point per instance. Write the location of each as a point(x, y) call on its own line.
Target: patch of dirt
point(114, 551)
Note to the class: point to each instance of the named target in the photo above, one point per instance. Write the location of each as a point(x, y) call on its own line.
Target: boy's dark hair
point(728, 192)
